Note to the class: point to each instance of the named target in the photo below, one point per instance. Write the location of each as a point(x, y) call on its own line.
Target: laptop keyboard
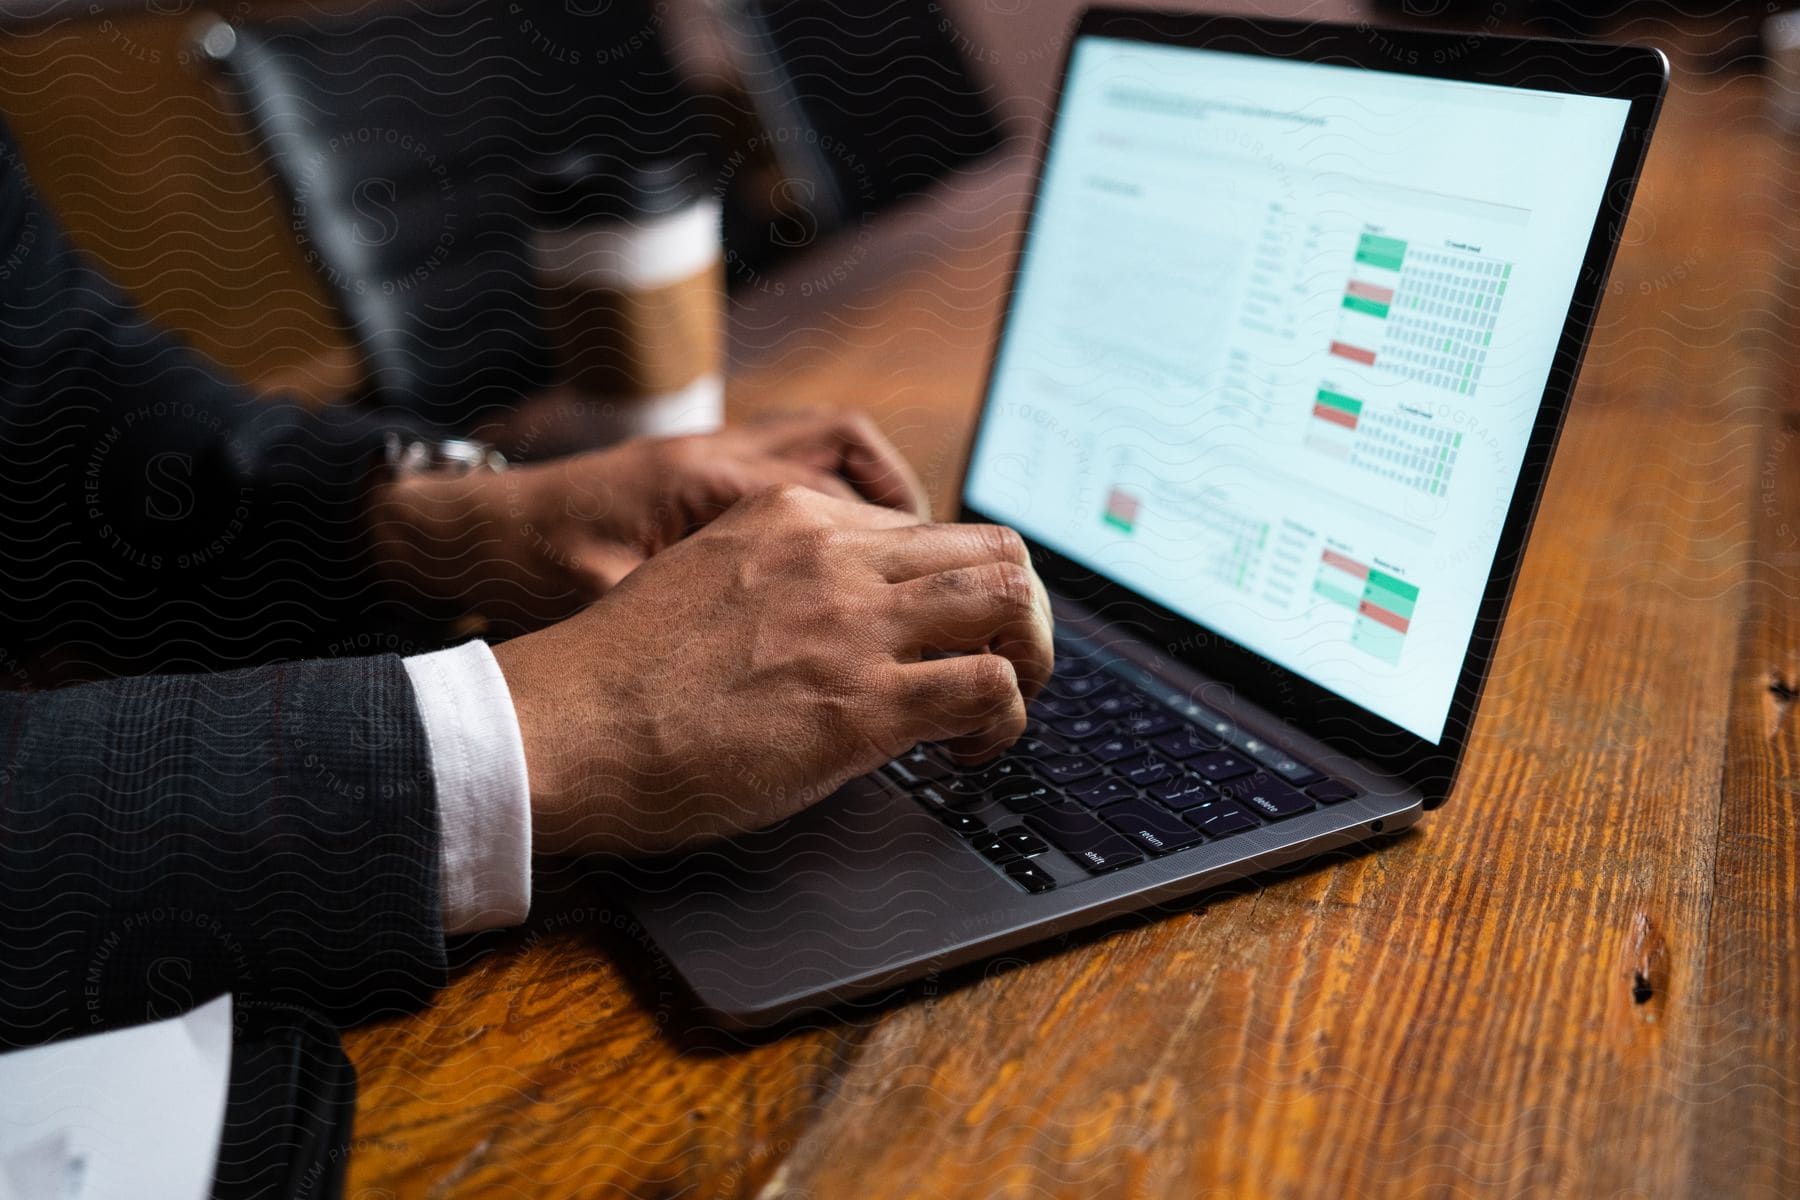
point(1111, 777)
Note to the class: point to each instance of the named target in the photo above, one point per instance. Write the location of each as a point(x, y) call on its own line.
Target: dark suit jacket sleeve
point(156, 515)
point(164, 838)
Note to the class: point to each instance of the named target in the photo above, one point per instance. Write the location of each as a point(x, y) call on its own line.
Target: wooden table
point(1581, 978)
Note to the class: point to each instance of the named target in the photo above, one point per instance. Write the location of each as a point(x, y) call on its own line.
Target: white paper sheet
point(130, 1113)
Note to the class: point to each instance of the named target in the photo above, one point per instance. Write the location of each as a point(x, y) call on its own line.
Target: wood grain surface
point(1578, 979)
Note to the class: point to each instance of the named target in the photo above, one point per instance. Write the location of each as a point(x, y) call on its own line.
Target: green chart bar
point(1341, 403)
point(1358, 304)
point(1380, 251)
point(1395, 595)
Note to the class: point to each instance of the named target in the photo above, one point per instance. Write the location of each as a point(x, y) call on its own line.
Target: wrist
point(583, 761)
point(424, 534)
point(425, 519)
point(542, 719)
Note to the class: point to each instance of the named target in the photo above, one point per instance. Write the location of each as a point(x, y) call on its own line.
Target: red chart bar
point(1336, 416)
point(1345, 564)
point(1392, 620)
point(1354, 353)
point(1371, 291)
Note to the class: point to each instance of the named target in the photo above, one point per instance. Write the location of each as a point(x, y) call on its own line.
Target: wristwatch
point(407, 456)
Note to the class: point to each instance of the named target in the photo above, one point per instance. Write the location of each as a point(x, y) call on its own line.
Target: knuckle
point(843, 617)
point(955, 582)
point(785, 498)
point(891, 712)
point(789, 494)
point(818, 544)
point(1012, 588)
point(1006, 545)
point(764, 497)
point(992, 679)
point(1013, 727)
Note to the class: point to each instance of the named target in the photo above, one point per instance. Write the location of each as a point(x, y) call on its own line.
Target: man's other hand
point(533, 544)
point(795, 643)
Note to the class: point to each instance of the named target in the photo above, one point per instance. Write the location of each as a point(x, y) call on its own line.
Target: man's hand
point(795, 643)
point(533, 544)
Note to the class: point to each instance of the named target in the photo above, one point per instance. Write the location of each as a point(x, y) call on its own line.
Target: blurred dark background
point(331, 197)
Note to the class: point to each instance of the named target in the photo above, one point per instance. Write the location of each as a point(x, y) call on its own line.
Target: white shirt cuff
point(483, 797)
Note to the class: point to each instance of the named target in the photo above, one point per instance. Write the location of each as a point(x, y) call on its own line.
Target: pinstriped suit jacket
point(162, 839)
point(164, 836)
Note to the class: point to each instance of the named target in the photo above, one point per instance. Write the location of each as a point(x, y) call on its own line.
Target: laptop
point(1288, 344)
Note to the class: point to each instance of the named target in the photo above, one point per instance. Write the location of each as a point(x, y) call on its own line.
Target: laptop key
point(900, 775)
point(1186, 743)
point(961, 822)
point(1106, 790)
point(1084, 837)
point(951, 810)
point(1222, 765)
point(991, 777)
point(1048, 704)
point(1023, 842)
point(1279, 761)
point(1183, 791)
point(993, 848)
point(963, 791)
point(1332, 792)
point(1077, 686)
point(1048, 707)
point(1029, 876)
point(1145, 770)
point(1066, 768)
point(1080, 729)
point(1147, 724)
point(1267, 796)
point(920, 765)
point(911, 769)
point(1154, 828)
point(1219, 818)
point(932, 796)
point(1121, 703)
point(1024, 795)
point(1294, 771)
point(1042, 743)
point(1114, 749)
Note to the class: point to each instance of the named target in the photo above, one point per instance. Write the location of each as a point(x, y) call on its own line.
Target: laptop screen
point(1278, 338)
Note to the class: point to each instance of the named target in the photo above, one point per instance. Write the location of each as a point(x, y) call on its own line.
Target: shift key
point(1083, 837)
